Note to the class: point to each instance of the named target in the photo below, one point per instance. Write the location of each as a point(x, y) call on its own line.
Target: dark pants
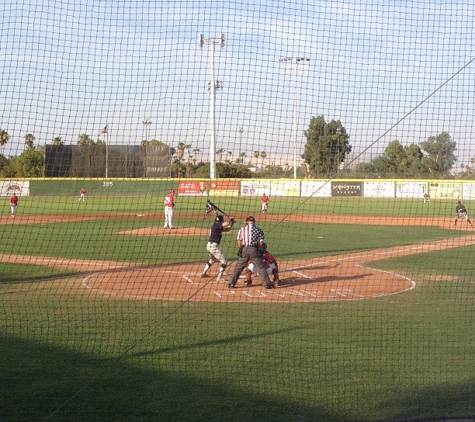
point(250, 253)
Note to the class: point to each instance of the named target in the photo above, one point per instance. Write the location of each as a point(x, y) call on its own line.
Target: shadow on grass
point(44, 383)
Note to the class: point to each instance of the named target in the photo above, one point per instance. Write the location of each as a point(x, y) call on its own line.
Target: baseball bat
point(219, 209)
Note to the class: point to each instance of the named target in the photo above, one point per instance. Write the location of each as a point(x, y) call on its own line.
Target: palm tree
point(242, 155)
point(263, 155)
point(219, 153)
point(4, 137)
point(257, 154)
point(57, 141)
point(181, 149)
point(85, 139)
point(197, 153)
point(29, 138)
point(230, 155)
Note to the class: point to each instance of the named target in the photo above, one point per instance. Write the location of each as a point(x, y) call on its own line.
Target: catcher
point(210, 208)
point(461, 211)
point(215, 254)
point(270, 264)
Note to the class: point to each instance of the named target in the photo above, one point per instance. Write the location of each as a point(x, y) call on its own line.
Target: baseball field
point(105, 317)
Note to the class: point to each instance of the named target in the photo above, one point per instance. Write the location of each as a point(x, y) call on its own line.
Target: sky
point(386, 69)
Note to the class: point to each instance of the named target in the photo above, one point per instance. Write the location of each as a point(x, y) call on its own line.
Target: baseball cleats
point(248, 283)
point(204, 275)
point(270, 286)
point(230, 286)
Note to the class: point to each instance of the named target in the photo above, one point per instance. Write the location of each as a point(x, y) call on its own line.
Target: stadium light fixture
point(297, 64)
point(146, 123)
point(213, 86)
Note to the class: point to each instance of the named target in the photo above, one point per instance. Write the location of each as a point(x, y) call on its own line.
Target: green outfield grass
point(230, 205)
point(72, 356)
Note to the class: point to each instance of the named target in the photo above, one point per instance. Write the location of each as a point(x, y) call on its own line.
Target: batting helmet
point(219, 218)
point(250, 219)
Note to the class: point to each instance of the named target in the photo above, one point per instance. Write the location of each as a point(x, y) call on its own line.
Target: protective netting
point(354, 119)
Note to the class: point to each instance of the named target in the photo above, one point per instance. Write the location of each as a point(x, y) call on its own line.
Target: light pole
point(213, 86)
point(241, 130)
point(295, 61)
point(146, 124)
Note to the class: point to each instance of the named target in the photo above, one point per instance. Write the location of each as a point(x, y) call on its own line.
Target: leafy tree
point(327, 146)
point(396, 160)
point(27, 164)
point(3, 166)
point(440, 157)
point(414, 160)
point(274, 172)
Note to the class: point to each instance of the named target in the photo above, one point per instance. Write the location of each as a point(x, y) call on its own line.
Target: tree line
point(326, 154)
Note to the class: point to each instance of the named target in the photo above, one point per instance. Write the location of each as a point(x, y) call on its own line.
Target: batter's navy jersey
point(216, 232)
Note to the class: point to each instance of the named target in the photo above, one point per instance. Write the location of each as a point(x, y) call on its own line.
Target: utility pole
point(241, 130)
point(295, 68)
point(213, 86)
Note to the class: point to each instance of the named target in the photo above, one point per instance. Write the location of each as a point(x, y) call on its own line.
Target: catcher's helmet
point(250, 219)
point(219, 218)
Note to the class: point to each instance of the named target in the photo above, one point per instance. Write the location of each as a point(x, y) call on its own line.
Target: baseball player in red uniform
point(82, 195)
point(169, 204)
point(264, 203)
point(13, 204)
point(270, 264)
point(426, 198)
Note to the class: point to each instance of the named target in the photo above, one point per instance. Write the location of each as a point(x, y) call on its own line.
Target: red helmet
point(172, 192)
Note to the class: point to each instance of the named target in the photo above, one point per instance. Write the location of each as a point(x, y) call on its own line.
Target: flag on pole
point(103, 130)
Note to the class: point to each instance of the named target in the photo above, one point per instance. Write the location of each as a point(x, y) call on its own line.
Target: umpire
point(250, 239)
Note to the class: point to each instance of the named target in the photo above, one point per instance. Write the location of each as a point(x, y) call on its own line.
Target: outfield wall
point(245, 187)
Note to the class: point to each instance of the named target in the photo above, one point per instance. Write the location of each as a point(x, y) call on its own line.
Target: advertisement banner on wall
point(316, 188)
point(208, 187)
point(20, 187)
point(347, 188)
point(284, 188)
point(255, 187)
point(409, 189)
point(379, 189)
point(468, 190)
point(445, 190)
